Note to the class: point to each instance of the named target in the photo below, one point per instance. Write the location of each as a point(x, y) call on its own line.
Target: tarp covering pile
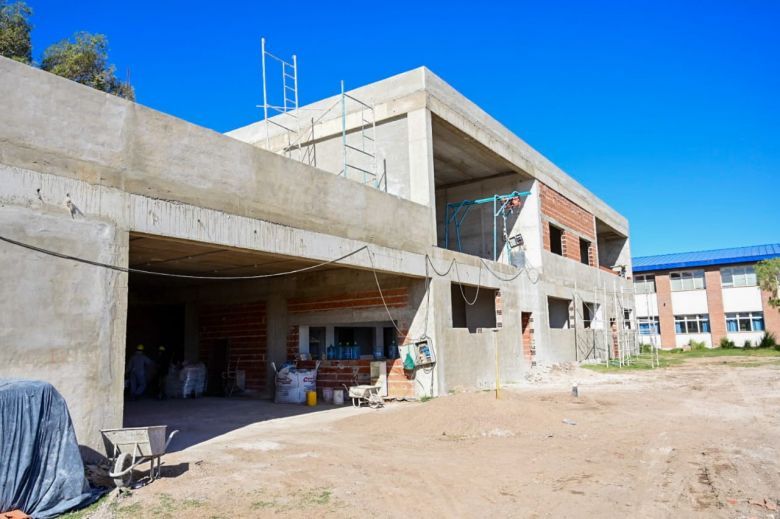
point(41, 471)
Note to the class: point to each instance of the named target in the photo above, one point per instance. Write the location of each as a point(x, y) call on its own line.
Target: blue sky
point(670, 112)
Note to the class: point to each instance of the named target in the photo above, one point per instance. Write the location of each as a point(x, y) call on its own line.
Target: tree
point(15, 30)
point(84, 59)
point(768, 274)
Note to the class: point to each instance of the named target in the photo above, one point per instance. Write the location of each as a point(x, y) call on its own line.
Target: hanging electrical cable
point(170, 275)
point(379, 287)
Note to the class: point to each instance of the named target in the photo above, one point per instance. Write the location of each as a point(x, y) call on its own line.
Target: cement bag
point(193, 378)
point(292, 385)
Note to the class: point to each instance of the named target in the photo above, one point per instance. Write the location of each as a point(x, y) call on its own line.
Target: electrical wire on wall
point(133, 270)
point(428, 278)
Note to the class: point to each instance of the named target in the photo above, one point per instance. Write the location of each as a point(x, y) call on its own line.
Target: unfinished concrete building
point(444, 226)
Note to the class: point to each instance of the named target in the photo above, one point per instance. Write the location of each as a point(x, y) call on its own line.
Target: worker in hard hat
point(163, 366)
point(137, 367)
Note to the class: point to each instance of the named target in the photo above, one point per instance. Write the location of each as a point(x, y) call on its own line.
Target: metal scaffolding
point(503, 206)
point(285, 114)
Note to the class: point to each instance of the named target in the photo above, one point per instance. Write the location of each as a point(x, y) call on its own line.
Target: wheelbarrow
point(131, 446)
point(365, 395)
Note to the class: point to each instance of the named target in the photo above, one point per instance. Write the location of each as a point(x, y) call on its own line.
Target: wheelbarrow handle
point(170, 437)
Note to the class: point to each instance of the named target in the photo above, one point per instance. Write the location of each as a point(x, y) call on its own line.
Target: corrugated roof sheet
point(706, 257)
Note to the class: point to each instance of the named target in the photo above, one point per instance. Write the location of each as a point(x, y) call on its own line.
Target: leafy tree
point(15, 30)
point(84, 59)
point(768, 274)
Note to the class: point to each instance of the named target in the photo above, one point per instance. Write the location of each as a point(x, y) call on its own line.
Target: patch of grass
point(719, 352)
point(85, 512)
point(259, 505)
point(641, 362)
point(298, 500)
point(130, 510)
point(425, 398)
point(755, 363)
point(676, 357)
point(697, 345)
point(317, 497)
point(191, 503)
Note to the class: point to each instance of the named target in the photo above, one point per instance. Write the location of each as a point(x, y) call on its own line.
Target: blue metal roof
point(706, 257)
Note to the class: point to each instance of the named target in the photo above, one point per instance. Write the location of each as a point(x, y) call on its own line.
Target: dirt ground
point(696, 440)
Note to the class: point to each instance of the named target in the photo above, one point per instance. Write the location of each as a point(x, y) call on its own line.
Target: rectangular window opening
point(558, 310)
point(745, 322)
point(556, 240)
point(472, 307)
point(649, 325)
point(694, 323)
point(743, 276)
point(687, 280)
point(584, 252)
point(644, 284)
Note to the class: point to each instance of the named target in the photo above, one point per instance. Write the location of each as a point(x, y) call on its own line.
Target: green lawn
point(676, 357)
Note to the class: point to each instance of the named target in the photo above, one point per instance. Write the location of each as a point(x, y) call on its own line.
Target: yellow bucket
point(311, 398)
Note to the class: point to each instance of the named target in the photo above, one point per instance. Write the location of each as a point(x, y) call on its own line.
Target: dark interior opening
point(556, 240)
point(584, 251)
point(472, 307)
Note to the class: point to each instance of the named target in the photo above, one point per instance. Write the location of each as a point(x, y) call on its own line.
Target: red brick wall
point(340, 373)
point(663, 289)
point(771, 315)
point(334, 373)
point(575, 220)
point(499, 310)
point(293, 342)
point(394, 297)
point(527, 326)
point(244, 325)
point(715, 304)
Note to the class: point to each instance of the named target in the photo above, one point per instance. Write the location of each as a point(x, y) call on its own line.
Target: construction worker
point(163, 366)
point(137, 368)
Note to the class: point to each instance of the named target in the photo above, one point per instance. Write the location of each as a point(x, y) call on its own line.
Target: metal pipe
point(265, 95)
point(344, 126)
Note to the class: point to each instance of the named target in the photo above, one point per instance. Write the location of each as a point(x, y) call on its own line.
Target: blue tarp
point(41, 471)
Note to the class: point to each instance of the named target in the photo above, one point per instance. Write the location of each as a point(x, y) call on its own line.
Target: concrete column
point(421, 179)
point(277, 332)
point(303, 339)
point(663, 289)
point(715, 304)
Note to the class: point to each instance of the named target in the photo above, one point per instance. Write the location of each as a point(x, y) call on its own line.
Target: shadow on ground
point(202, 419)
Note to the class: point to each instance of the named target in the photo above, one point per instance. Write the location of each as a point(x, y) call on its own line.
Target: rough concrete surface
point(696, 440)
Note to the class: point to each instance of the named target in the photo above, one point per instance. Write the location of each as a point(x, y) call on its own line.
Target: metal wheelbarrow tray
point(130, 446)
point(365, 394)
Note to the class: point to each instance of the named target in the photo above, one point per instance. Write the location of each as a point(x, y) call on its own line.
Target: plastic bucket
point(338, 396)
point(311, 398)
point(327, 395)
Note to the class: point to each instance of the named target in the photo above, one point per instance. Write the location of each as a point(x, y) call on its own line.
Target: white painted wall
point(682, 339)
point(689, 302)
point(646, 305)
point(742, 299)
point(652, 338)
point(739, 338)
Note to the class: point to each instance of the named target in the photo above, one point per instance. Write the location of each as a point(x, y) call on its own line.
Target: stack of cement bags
point(292, 384)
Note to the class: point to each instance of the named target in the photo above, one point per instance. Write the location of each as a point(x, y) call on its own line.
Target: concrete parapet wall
point(57, 126)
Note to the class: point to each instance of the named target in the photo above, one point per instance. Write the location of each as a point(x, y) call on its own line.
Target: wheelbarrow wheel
point(123, 463)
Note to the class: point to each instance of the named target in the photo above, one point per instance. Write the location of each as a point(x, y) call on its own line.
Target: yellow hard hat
point(140, 347)
point(161, 348)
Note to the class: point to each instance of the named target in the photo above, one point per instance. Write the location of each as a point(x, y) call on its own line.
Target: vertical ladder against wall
point(284, 115)
point(360, 146)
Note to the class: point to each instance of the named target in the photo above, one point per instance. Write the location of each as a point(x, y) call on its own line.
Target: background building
point(703, 296)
